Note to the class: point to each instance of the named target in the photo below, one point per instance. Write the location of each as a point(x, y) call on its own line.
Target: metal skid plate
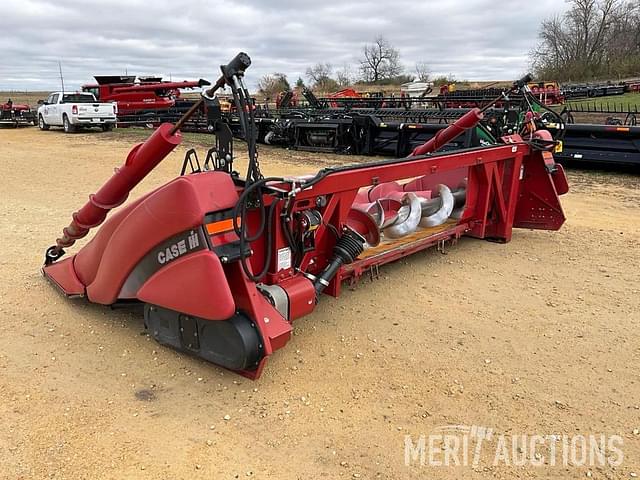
point(233, 343)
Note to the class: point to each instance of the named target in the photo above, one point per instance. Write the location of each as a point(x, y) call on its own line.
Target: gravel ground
point(538, 336)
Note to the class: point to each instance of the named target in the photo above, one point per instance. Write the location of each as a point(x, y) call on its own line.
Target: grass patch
point(628, 101)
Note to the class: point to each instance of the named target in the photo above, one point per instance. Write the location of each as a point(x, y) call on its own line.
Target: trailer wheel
point(68, 128)
point(42, 124)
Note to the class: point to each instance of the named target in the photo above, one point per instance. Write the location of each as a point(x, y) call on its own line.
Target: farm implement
point(617, 145)
point(614, 141)
point(393, 126)
point(16, 115)
point(224, 263)
point(149, 100)
point(585, 90)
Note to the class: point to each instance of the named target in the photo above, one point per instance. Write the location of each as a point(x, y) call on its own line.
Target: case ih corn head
point(224, 264)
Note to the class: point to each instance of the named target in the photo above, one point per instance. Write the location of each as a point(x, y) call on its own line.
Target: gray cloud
point(471, 39)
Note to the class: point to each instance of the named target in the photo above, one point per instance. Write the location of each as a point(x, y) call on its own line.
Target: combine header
point(150, 99)
point(224, 264)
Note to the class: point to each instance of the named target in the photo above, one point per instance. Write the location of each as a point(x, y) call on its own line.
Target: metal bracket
point(277, 297)
point(374, 272)
point(190, 157)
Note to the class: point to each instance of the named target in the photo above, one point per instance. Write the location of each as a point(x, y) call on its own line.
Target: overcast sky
point(471, 39)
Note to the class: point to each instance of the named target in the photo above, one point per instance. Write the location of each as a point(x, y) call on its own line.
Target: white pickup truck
point(73, 111)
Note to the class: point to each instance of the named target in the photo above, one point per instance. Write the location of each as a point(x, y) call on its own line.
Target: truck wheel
point(107, 127)
point(41, 124)
point(68, 128)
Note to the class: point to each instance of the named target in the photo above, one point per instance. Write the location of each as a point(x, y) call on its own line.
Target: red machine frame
point(497, 200)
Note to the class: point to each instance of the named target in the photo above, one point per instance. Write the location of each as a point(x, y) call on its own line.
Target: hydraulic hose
point(266, 221)
point(467, 121)
point(142, 159)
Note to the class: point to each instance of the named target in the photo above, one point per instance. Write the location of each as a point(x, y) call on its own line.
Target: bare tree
point(591, 39)
point(624, 41)
point(320, 77)
point(271, 85)
point(319, 72)
point(380, 61)
point(423, 72)
point(345, 76)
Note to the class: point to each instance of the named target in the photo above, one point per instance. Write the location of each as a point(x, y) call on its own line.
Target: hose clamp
point(206, 96)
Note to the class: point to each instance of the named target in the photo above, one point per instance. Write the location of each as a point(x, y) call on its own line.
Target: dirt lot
point(538, 336)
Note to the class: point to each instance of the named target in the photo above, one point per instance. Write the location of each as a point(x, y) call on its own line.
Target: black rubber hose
point(256, 277)
point(240, 211)
point(289, 235)
point(348, 247)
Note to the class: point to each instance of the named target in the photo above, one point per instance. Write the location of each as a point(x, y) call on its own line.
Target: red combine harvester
point(224, 264)
point(150, 95)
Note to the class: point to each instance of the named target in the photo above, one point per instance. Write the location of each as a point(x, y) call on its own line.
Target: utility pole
point(61, 77)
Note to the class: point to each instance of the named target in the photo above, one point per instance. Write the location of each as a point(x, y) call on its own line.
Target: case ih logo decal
point(183, 243)
point(179, 248)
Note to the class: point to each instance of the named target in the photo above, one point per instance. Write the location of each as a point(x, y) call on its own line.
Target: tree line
point(379, 64)
point(594, 39)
